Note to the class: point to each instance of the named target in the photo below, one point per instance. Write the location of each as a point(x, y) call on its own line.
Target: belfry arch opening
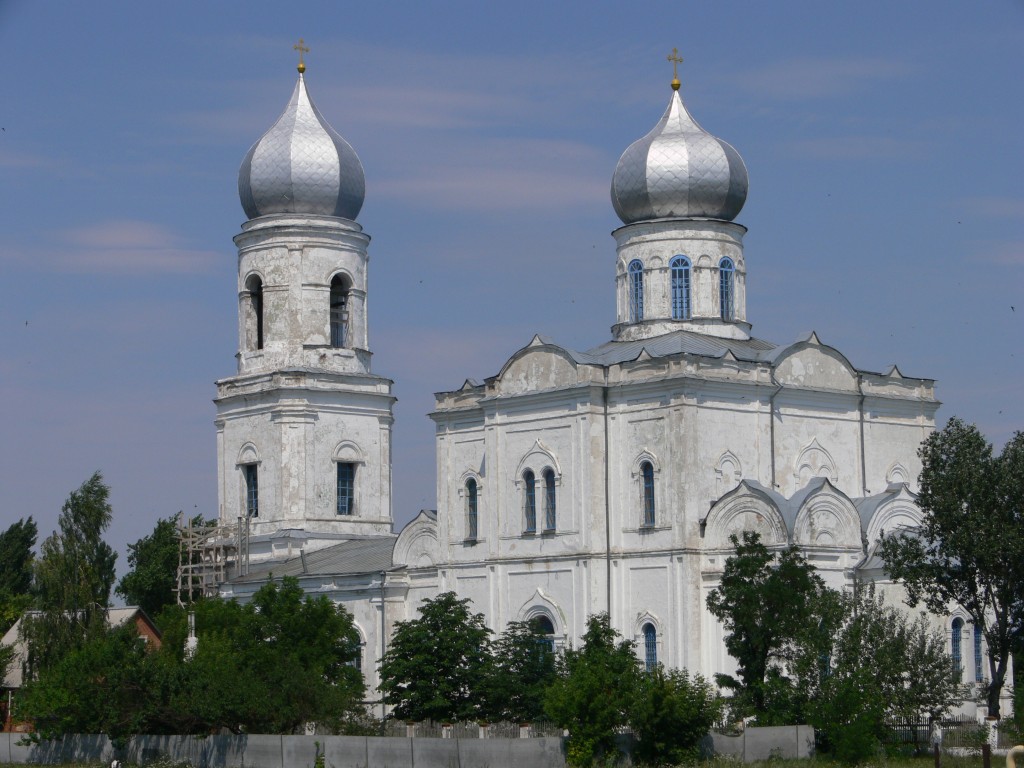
point(253, 313)
point(339, 311)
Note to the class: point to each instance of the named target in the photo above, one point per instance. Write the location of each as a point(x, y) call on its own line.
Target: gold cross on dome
point(676, 60)
point(302, 48)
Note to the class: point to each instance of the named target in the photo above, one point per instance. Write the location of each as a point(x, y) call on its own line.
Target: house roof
point(364, 555)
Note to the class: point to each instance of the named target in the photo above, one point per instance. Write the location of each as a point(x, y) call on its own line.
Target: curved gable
point(827, 518)
point(744, 509)
point(899, 513)
point(814, 365)
point(417, 545)
point(534, 369)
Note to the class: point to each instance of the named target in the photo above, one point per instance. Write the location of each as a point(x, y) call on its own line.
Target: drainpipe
point(607, 506)
point(863, 457)
point(771, 428)
point(383, 637)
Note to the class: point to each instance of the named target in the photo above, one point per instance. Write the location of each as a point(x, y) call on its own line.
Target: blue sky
point(883, 142)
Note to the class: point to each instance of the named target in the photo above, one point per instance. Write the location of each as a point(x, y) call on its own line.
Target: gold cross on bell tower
point(676, 60)
point(302, 48)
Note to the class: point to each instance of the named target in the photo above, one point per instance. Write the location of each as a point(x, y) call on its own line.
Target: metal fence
point(958, 732)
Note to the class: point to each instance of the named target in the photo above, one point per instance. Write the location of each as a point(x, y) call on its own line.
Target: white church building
point(570, 482)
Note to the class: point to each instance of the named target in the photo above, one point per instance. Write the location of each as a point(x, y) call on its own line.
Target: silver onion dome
point(679, 170)
point(301, 165)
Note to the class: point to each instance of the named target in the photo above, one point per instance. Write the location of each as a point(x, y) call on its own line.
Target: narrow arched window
point(529, 502)
point(680, 288)
point(650, 646)
point(647, 479)
point(252, 490)
point(979, 665)
point(471, 509)
point(636, 291)
point(254, 314)
point(339, 311)
point(346, 488)
point(550, 514)
point(727, 288)
point(542, 626)
point(956, 648)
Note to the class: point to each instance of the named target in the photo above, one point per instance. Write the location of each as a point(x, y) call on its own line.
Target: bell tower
point(304, 426)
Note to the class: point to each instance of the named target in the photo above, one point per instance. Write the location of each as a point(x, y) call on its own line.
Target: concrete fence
point(261, 751)
point(785, 741)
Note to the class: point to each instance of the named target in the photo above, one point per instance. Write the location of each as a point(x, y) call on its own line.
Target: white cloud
point(804, 78)
point(115, 247)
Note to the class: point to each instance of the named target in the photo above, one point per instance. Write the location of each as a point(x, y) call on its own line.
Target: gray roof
point(674, 343)
point(369, 555)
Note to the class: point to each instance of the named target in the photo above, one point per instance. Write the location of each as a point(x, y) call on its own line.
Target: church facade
point(571, 482)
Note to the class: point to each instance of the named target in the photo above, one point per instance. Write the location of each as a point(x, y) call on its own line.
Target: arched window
point(529, 502)
point(471, 509)
point(252, 490)
point(680, 288)
point(979, 665)
point(650, 646)
point(647, 479)
point(542, 626)
point(636, 291)
point(550, 516)
point(346, 488)
point(956, 648)
point(727, 288)
point(339, 311)
point(254, 314)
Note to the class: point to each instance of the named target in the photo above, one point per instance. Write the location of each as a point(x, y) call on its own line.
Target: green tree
point(269, 666)
point(768, 603)
point(592, 691)
point(153, 567)
point(437, 665)
point(522, 670)
point(16, 571)
point(72, 577)
point(969, 549)
point(670, 714)
point(882, 664)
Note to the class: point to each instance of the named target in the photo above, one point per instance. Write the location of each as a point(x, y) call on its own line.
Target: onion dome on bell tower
point(680, 262)
point(301, 166)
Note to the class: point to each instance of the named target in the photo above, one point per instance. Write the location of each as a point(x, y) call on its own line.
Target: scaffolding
point(208, 554)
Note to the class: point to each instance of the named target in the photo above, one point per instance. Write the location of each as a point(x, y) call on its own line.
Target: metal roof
point(369, 555)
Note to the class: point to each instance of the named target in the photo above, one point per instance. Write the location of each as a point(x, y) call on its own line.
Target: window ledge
point(647, 529)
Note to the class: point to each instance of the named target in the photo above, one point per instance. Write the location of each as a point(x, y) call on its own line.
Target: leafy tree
point(523, 668)
point(16, 570)
point(882, 664)
point(969, 549)
point(153, 560)
point(73, 577)
point(266, 667)
point(767, 603)
point(437, 665)
point(593, 690)
point(670, 714)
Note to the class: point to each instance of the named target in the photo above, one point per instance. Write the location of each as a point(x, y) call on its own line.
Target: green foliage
point(522, 669)
point(592, 692)
point(881, 665)
point(436, 665)
point(266, 667)
point(969, 549)
point(670, 714)
point(72, 578)
point(153, 564)
point(16, 571)
point(767, 603)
